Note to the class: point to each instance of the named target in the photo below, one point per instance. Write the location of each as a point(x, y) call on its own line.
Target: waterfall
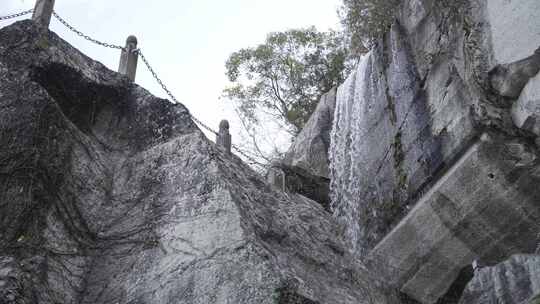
point(382, 146)
point(346, 163)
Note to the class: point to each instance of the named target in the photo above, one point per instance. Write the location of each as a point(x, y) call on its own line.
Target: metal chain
point(108, 45)
point(16, 15)
point(251, 159)
point(152, 71)
point(169, 93)
point(198, 121)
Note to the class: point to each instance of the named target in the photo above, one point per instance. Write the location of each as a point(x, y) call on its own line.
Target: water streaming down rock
point(422, 165)
point(343, 184)
point(383, 145)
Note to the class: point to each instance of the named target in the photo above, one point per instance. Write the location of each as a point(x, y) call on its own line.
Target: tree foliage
point(366, 20)
point(286, 75)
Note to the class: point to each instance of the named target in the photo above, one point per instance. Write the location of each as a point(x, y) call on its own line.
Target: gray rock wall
point(111, 195)
point(514, 281)
point(399, 120)
point(405, 123)
point(309, 150)
point(514, 28)
point(304, 168)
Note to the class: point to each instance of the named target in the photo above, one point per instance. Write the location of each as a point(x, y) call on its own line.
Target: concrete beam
point(485, 207)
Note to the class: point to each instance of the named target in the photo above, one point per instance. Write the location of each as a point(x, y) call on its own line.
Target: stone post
point(128, 59)
point(276, 176)
point(43, 12)
point(224, 137)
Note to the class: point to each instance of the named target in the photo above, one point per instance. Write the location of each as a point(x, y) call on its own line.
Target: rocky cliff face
point(110, 195)
point(516, 280)
point(433, 161)
point(310, 148)
point(304, 169)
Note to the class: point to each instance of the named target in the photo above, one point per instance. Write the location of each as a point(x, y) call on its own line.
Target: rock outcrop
point(309, 150)
point(111, 195)
point(484, 208)
point(433, 161)
point(295, 179)
point(304, 169)
point(515, 281)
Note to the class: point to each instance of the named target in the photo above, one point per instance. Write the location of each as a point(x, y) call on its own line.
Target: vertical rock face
point(526, 110)
point(514, 29)
point(483, 208)
point(110, 195)
point(304, 169)
point(430, 166)
point(514, 281)
point(310, 148)
point(393, 130)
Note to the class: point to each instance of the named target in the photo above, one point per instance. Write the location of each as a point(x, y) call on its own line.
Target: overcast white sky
point(187, 41)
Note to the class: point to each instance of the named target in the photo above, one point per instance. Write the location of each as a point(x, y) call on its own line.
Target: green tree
point(286, 75)
point(366, 20)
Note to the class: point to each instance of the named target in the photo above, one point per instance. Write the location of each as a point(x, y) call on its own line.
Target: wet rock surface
point(110, 195)
point(412, 196)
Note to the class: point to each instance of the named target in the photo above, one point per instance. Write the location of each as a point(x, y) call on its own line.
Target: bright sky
point(187, 41)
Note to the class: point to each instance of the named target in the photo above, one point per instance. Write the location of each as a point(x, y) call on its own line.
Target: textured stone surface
point(298, 180)
point(485, 207)
point(395, 126)
point(514, 281)
point(110, 195)
point(310, 148)
point(404, 121)
point(508, 80)
point(304, 169)
point(526, 110)
point(515, 30)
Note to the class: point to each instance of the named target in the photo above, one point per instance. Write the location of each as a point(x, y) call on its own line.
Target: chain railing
point(239, 150)
point(81, 34)
point(12, 16)
point(198, 121)
point(168, 92)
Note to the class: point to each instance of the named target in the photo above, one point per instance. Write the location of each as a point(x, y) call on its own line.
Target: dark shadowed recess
point(80, 100)
point(454, 293)
point(288, 295)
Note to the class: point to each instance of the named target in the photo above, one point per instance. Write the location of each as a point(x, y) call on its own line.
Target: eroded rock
point(309, 150)
point(484, 207)
point(413, 197)
point(298, 180)
point(526, 110)
point(509, 80)
point(119, 198)
point(515, 281)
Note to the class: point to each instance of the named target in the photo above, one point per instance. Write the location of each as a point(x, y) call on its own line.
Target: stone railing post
point(224, 137)
point(128, 59)
point(43, 12)
point(276, 176)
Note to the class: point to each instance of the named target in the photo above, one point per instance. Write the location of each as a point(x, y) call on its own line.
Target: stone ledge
point(485, 207)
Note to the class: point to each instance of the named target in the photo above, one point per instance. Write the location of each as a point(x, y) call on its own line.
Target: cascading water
point(347, 131)
point(382, 147)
